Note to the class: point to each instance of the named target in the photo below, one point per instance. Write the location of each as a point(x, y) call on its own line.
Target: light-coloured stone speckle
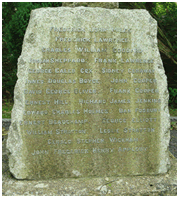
point(41, 185)
point(104, 189)
point(76, 173)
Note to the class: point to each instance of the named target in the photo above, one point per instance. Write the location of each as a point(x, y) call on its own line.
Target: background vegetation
point(16, 15)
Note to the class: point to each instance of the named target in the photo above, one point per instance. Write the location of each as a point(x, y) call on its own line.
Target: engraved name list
point(92, 101)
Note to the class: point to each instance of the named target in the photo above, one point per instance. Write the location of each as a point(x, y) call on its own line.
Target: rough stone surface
point(161, 185)
point(107, 138)
point(6, 123)
point(164, 185)
point(173, 143)
point(109, 5)
point(173, 119)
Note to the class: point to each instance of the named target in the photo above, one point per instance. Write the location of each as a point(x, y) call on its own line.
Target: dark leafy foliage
point(173, 97)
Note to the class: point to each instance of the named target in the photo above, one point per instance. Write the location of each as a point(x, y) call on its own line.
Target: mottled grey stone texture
point(154, 159)
point(161, 185)
point(6, 123)
point(109, 5)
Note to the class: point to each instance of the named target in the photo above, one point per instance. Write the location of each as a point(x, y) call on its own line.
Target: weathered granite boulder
point(91, 97)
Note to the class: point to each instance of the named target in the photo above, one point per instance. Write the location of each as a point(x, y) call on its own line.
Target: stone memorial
point(91, 97)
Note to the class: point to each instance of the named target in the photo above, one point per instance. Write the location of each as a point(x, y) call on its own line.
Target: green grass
point(6, 108)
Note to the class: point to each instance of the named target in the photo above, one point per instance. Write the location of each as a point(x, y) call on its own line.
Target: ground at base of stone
point(160, 185)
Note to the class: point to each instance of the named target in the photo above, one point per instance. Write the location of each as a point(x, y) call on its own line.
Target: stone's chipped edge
point(165, 116)
point(15, 145)
point(164, 163)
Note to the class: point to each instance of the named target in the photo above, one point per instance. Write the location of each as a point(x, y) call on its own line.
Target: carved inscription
point(91, 96)
point(96, 93)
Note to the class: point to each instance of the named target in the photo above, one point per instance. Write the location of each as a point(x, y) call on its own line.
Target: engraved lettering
point(140, 71)
point(134, 149)
point(111, 40)
point(99, 60)
point(86, 71)
point(126, 50)
point(144, 80)
point(92, 101)
point(40, 152)
point(95, 111)
point(88, 81)
point(116, 80)
point(50, 141)
point(138, 90)
point(120, 120)
point(70, 151)
point(39, 132)
point(148, 100)
point(106, 131)
point(32, 91)
point(56, 50)
point(147, 110)
point(61, 102)
point(97, 50)
point(118, 101)
point(64, 71)
point(85, 91)
point(65, 112)
point(67, 122)
point(39, 71)
point(102, 150)
point(57, 91)
point(34, 82)
point(119, 91)
point(38, 102)
point(112, 71)
point(71, 131)
point(61, 81)
point(89, 141)
point(138, 130)
point(32, 122)
point(120, 140)
point(35, 112)
point(124, 111)
point(135, 120)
